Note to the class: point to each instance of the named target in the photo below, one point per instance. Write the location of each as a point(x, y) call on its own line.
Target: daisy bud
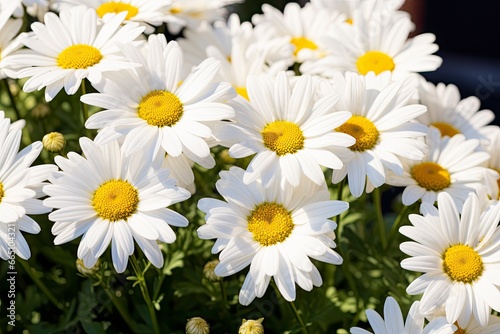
point(87, 272)
point(14, 88)
point(40, 111)
point(53, 142)
point(251, 327)
point(226, 158)
point(209, 271)
point(197, 325)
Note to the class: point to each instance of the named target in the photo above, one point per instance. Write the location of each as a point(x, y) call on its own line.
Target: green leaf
point(93, 327)
point(175, 260)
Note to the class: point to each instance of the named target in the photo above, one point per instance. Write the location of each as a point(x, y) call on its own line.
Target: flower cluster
point(317, 108)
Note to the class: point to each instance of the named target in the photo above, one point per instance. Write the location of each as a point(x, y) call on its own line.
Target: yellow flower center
point(270, 223)
point(117, 7)
point(375, 61)
point(79, 56)
point(301, 43)
point(242, 91)
point(446, 129)
point(349, 20)
point(363, 130)
point(175, 10)
point(283, 137)
point(431, 176)
point(115, 200)
point(160, 108)
point(462, 263)
point(1, 192)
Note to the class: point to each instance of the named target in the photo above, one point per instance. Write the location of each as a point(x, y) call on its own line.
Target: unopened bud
point(251, 327)
point(41, 110)
point(87, 271)
point(209, 271)
point(197, 325)
point(53, 142)
point(226, 158)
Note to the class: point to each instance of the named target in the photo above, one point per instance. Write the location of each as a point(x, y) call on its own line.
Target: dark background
point(468, 35)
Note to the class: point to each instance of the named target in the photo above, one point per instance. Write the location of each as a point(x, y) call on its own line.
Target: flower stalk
point(139, 273)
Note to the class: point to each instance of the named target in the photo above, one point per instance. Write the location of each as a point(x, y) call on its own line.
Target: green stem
point(345, 255)
point(296, 68)
point(145, 293)
point(85, 111)
point(121, 309)
point(347, 273)
point(377, 202)
point(397, 223)
point(158, 286)
point(12, 99)
point(44, 126)
point(40, 284)
point(298, 317)
point(328, 269)
point(339, 198)
point(223, 294)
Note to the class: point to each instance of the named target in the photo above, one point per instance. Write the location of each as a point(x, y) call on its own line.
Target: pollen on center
point(270, 223)
point(160, 108)
point(301, 43)
point(242, 91)
point(375, 61)
point(431, 176)
point(446, 129)
point(462, 263)
point(79, 56)
point(363, 130)
point(115, 200)
point(2, 194)
point(283, 137)
point(117, 7)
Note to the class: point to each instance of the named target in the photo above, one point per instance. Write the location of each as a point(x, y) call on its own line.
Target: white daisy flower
point(473, 327)
point(20, 190)
point(394, 324)
point(191, 13)
point(348, 7)
point(302, 27)
point(246, 60)
point(19, 124)
point(153, 107)
point(492, 180)
point(219, 35)
point(452, 165)
point(459, 256)
point(289, 129)
point(382, 124)
point(9, 40)
point(110, 197)
point(275, 231)
point(451, 115)
point(376, 42)
point(181, 168)
point(145, 12)
point(241, 50)
point(62, 55)
point(35, 8)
